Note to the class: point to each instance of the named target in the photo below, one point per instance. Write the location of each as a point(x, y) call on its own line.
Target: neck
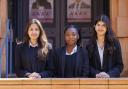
point(100, 39)
point(33, 42)
point(69, 48)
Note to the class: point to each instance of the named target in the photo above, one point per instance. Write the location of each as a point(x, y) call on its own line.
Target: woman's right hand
point(34, 75)
point(102, 75)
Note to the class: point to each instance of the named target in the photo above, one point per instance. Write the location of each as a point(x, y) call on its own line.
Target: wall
point(119, 17)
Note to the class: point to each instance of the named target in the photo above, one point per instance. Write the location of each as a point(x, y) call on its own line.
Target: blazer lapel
point(97, 57)
point(106, 58)
point(78, 60)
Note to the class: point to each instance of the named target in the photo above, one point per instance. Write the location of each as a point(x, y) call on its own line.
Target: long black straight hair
point(110, 37)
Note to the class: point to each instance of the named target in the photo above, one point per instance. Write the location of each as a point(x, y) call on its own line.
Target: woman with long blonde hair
point(32, 55)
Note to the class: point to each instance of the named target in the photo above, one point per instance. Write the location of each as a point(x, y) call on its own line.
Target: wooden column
point(119, 18)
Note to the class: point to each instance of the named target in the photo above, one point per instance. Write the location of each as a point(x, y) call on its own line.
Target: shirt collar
point(99, 46)
point(35, 45)
point(73, 51)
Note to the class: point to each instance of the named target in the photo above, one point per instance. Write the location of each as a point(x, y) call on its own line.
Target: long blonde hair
point(42, 39)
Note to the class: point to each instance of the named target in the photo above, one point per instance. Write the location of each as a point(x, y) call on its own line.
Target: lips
point(33, 34)
point(101, 30)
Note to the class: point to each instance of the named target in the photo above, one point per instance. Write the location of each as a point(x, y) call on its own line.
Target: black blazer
point(112, 63)
point(82, 63)
point(26, 61)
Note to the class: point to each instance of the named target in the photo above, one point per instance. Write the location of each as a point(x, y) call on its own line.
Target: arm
point(49, 66)
point(18, 64)
point(118, 65)
point(85, 66)
point(93, 70)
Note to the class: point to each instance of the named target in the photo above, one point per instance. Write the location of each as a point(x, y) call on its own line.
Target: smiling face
point(71, 36)
point(33, 32)
point(100, 28)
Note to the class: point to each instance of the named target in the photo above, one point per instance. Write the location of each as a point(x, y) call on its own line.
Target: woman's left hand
point(102, 75)
point(35, 75)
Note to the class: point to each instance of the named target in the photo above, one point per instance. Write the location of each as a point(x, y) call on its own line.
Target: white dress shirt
point(73, 51)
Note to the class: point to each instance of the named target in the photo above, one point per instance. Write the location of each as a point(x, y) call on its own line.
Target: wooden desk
point(61, 83)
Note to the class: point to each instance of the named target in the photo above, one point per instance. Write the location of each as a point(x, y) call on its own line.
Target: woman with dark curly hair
point(71, 60)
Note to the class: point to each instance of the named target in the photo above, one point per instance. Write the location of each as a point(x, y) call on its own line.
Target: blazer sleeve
point(18, 64)
point(92, 70)
point(48, 72)
point(85, 65)
point(118, 65)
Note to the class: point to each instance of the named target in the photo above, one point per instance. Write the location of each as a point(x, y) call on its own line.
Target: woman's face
point(100, 28)
point(33, 32)
point(71, 36)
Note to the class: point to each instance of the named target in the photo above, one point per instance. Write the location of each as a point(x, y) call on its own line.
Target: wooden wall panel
point(122, 29)
point(124, 47)
point(123, 8)
point(119, 18)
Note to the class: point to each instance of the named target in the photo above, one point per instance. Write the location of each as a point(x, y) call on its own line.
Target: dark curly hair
point(78, 31)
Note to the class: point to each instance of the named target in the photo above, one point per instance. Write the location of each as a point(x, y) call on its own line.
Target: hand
point(34, 75)
point(102, 75)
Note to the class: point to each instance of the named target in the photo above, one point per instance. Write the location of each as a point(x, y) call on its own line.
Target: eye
point(30, 29)
point(36, 29)
point(104, 25)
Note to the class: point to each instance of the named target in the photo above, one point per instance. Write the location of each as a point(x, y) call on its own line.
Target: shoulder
point(91, 44)
point(82, 50)
point(117, 44)
point(60, 50)
point(21, 46)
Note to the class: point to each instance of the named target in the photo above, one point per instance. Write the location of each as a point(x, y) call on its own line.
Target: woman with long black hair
point(104, 51)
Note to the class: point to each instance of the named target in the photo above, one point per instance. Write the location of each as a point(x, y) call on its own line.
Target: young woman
point(32, 55)
point(71, 60)
point(104, 51)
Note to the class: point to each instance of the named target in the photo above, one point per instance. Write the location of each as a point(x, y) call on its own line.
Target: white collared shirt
point(35, 45)
point(101, 53)
point(74, 50)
